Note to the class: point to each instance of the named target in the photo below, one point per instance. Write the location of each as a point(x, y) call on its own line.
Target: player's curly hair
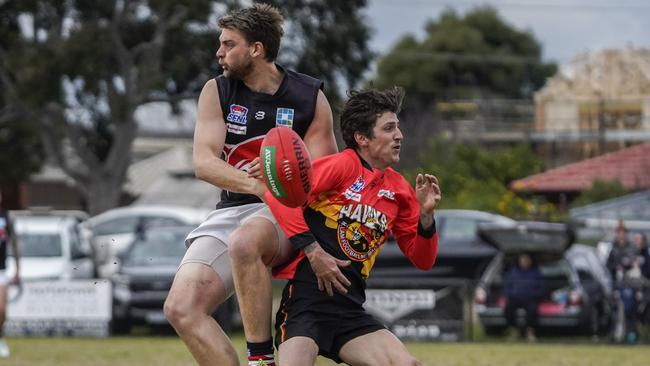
point(362, 109)
point(258, 23)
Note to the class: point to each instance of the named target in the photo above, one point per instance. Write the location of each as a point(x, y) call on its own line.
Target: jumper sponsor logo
point(238, 114)
point(358, 185)
point(259, 115)
point(352, 196)
point(236, 129)
point(386, 193)
point(361, 230)
point(271, 176)
point(303, 165)
point(284, 117)
point(353, 192)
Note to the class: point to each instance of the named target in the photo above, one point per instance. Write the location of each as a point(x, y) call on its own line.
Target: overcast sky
point(564, 28)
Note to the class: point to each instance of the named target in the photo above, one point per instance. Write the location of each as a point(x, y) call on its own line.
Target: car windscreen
point(458, 229)
point(39, 245)
point(157, 247)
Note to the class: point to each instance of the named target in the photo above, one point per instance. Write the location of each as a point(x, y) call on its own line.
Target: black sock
point(260, 349)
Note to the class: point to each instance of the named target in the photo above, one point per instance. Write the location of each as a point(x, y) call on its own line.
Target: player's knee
point(178, 310)
point(173, 310)
point(243, 249)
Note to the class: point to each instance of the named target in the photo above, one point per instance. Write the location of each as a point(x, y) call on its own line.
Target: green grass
point(169, 350)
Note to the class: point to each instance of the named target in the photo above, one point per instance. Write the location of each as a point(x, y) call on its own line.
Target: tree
point(476, 55)
point(329, 39)
point(472, 59)
point(22, 152)
point(81, 68)
point(474, 178)
point(600, 190)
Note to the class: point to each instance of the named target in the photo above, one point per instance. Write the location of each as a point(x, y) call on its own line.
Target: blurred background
point(528, 112)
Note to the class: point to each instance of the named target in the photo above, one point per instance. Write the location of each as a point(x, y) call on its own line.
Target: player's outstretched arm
point(209, 140)
point(326, 269)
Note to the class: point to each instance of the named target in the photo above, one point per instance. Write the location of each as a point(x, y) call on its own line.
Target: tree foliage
point(474, 178)
point(328, 39)
point(600, 190)
point(80, 68)
point(477, 55)
point(21, 149)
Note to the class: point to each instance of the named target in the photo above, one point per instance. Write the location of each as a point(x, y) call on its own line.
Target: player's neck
point(265, 78)
point(375, 164)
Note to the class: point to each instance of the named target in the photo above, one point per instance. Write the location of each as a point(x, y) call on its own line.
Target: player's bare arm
point(428, 193)
point(209, 140)
point(319, 139)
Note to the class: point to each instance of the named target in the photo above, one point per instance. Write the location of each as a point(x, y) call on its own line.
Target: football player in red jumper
point(357, 199)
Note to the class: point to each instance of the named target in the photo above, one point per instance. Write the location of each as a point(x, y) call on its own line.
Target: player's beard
point(240, 71)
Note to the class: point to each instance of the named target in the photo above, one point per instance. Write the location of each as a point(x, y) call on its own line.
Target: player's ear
point(257, 49)
point(361, 139)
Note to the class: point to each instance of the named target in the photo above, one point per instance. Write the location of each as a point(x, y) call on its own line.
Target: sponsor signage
point(61, 308)
point(433, 313)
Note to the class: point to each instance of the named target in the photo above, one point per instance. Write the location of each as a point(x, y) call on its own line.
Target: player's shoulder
point(303, 79)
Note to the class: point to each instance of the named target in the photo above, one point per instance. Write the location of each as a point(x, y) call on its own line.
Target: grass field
point(168, 350)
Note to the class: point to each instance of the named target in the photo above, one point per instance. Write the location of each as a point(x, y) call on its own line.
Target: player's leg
point(379, 348)
point(203, 281)
point(298, 351)
point(254, 247)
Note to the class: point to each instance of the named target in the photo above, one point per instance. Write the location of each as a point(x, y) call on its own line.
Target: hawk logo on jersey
point(284, 117)
point(361, 230)
point(238, 114)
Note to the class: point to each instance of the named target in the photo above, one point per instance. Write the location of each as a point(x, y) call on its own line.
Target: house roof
point(630, 166)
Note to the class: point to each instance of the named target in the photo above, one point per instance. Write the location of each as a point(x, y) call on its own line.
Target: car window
point(158, 246)
point(39, 245)
point(161, 221)
point(458, 228)
point(120, 225)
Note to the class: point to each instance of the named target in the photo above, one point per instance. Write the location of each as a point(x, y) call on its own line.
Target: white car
point(115, 230)
point(52, 246)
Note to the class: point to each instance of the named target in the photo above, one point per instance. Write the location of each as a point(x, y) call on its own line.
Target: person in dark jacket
point(622, 256)
point(524, 289)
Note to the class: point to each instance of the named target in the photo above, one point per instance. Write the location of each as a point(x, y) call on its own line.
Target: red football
point(286, 166)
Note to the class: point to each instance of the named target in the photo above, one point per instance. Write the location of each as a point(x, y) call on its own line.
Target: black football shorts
point(330, 321)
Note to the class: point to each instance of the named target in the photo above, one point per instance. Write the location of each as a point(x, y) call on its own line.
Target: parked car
point(115, 230)
point(53, 246)
point(461, 252)
point(573, 297)
point(144, 278)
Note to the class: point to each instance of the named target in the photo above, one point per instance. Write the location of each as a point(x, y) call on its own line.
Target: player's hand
point(427, 191)
point(254, 169)
point(327, 271)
